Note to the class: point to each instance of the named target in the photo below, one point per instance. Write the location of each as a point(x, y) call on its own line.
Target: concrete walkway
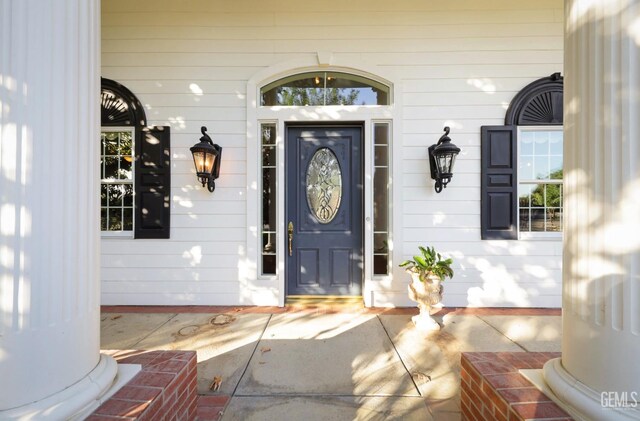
point(318, 365)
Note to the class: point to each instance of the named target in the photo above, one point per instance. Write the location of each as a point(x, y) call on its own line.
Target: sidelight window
point(381, 199)
point(269, 198)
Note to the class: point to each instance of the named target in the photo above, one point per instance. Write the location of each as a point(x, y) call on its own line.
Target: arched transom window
point(324, 88)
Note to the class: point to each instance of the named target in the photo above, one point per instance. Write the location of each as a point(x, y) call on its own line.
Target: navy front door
point(324, 210)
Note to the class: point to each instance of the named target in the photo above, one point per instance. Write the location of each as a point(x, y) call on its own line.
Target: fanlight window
point(325, 88)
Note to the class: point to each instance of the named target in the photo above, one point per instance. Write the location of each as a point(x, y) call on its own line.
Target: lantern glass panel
point(444, 163)
point(453, 161)
point(198, 160)
point(210, 159)
point(441, 162)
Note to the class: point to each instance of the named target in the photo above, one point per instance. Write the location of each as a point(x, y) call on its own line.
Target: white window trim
point(278, 141)
point(122, 234)
point(528, 235)
point(389, 232)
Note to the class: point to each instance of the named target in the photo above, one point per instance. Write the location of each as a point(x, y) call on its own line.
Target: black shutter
point(153, 183)
point(499, 183)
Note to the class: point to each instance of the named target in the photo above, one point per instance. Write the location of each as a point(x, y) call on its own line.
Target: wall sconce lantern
point(206, 157)
point(442, 156)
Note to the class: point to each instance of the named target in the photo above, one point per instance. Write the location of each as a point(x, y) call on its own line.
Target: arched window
point(134, 168)
point(522, 166)
point(325, 88)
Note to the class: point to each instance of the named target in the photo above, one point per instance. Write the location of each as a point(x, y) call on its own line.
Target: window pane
point(110, 168)
point(346, 89)
point(115, 219)
point(127, 199)
point(125, 172)
point(526, 168)
point(103, 194)
point(103, 219)
point(555, 143)
point(306, 89)
point(537, 195)
point(537, 220)
point(269, 199)
point(268, 243)
point(127, 219)
point(526, 143)
point(541, 144)
point(381, 134)
point(553, 195)
point(381, 156)
point(380, 199)
point(125, 143)
point(268, 156)
point(524, 220)
point(268, 134)
point(556, 167)
point(268, 253)
point(523, 197)
point(554, 219)
point(380, 244)
point(541, 167)
point(380, 264)
point(111, 143)
point(321, 88)
point(115, 195)
point(269, 264)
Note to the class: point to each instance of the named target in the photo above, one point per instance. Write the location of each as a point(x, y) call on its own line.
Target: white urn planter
point(428, 295)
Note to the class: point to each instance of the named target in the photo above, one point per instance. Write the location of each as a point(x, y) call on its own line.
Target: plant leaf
point(421, 261)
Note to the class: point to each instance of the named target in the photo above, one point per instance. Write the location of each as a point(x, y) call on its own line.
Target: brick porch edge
point(165, 388)
point(493, 389)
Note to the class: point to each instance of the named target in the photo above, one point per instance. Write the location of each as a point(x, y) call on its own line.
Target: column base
point(588, 403)
point(74, 402)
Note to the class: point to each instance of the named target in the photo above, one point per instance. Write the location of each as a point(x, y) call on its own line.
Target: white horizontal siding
point(124, 278)
point(458, 63)
point(173, 248)
point(490, 249)
point(151, 297)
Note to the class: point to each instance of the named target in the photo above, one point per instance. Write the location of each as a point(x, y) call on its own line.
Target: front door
point(324, 196)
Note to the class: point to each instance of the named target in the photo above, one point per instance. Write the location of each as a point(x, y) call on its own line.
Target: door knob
point(290, 238)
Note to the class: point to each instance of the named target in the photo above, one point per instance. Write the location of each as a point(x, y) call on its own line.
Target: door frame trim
point(256, 289)
point(286, 185)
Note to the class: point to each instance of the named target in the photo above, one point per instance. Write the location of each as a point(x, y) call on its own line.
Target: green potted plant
point(428, 270)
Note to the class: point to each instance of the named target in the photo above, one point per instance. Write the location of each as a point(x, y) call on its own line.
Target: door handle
point(290, 238)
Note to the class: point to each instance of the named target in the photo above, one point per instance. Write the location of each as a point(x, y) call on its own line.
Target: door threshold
point(324, 300)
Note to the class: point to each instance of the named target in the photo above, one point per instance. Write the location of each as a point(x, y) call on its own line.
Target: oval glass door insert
point(324, 185)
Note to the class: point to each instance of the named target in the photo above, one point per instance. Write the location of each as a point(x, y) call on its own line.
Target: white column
point(50, 362)
point(601, 261)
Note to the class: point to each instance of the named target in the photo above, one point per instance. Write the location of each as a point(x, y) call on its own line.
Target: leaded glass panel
point(324, 185)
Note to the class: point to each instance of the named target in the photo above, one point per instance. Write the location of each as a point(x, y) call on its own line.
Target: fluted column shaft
point(49, 226)
point(601, 258)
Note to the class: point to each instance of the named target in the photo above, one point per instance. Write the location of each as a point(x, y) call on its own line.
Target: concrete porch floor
point(315, 364)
